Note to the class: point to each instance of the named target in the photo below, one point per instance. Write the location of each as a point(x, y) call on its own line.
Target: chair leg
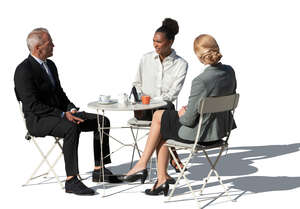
point(182, 175)
point(213, 169)
point(136, 148)
point(151, 167)
point(43, 161)
point(59, 156)
point(55, 162)
point(224, 186)
point(50, 167)
point(135, 142)
point(135, 145)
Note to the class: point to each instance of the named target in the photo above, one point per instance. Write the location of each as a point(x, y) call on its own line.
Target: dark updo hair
point(169, 27)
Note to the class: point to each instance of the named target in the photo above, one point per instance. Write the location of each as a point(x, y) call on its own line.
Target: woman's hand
point(182, 111)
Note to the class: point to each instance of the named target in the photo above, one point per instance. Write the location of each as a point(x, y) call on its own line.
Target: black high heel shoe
point(175, 166)
point(171, 180)
point(162, 189)
point(143, 174)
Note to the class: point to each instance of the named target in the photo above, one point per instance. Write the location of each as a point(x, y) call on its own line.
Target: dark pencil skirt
point(170, 126)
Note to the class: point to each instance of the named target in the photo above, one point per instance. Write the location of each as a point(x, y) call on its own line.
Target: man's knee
point(106, 122)
point(94, 118)
point(73, 129)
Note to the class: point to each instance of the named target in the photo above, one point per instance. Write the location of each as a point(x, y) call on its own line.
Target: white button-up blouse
point(161, 80)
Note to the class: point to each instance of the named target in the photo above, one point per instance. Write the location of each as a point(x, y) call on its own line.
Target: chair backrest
point(218, 104)
point(215, 105)
point(27, 136)
point(20, 104)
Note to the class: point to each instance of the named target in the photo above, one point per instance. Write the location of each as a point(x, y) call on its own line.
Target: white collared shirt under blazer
point(161, 80)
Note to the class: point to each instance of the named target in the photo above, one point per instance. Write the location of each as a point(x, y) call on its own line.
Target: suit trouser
point(70, 132)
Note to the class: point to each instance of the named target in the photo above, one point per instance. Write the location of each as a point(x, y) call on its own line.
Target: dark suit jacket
point(217, 80)
point(39, 98)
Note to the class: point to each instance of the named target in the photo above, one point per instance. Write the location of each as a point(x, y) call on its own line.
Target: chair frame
point(206, 105)
point(146, 127)
point(44, 156)
point(137, 126)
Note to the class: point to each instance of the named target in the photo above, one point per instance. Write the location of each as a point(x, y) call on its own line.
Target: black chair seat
point(211, 145)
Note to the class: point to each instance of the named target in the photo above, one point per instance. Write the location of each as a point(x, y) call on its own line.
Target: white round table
point(120, 107)
point(130, 107)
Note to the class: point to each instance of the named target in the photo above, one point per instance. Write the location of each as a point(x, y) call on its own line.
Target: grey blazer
point(217, 80)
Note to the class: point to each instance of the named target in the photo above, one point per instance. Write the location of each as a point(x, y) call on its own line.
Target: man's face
point(45, 50)
point(161, 44)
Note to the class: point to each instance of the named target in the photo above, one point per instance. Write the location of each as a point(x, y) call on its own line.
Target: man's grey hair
point(35, 37)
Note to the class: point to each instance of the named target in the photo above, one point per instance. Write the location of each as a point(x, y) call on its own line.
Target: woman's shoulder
point(179, 59)
point(149, 54)
point(198, 80)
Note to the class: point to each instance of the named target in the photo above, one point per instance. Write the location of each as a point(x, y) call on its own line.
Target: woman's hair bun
point(211, 57)
point(169, 27)
point(207, 49)
point(171, 24)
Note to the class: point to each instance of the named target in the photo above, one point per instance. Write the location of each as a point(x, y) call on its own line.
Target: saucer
point(111, 101)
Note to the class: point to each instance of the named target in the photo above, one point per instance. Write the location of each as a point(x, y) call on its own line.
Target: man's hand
point(73, 118)
point(182, 111)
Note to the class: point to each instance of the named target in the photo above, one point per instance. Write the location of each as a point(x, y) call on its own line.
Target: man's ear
point(36, 48)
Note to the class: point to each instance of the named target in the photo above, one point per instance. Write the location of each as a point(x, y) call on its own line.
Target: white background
point(98, 45)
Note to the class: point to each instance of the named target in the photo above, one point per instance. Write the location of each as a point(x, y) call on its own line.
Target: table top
point(129, 107)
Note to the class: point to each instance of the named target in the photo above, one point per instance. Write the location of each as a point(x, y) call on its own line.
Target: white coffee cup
point(123, 99)
point(104, 98)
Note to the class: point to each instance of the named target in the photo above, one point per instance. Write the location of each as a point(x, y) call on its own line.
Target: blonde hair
point(207, 49)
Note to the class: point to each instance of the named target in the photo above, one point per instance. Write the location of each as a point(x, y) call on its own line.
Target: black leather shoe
point(171, 181)
point(108, 176)
point(175, 165)
point(162, 189)
point(74, 185)
point(143, 174)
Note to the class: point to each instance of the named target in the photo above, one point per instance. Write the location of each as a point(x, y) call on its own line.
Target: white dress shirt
point(161, 80)
point(41, 62)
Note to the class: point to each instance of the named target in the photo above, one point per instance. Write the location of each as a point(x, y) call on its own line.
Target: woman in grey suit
point(216, 80)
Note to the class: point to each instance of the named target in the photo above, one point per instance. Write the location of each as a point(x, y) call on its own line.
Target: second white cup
point(104, 98)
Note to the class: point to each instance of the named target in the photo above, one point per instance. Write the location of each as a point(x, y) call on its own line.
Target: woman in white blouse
point(161, 73)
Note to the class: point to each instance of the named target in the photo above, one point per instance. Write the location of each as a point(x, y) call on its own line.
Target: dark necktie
point(45, 67)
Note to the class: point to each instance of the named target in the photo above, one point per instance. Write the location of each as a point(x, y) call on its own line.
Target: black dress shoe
point(175, 165)
point(74, 185)
point(171, 181)
point(162, 189)
point(137, 175)
point(108, 176)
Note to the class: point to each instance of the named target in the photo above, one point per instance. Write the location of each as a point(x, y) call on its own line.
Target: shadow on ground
point(238, 162)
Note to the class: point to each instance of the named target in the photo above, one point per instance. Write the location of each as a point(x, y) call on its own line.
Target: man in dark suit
point(48, 111)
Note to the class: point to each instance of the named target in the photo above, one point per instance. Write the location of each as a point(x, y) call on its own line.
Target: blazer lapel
point(38, 70)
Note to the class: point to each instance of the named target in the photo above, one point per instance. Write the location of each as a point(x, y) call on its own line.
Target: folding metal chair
point(30, 137)
point(138, 125)
point(207, 105)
